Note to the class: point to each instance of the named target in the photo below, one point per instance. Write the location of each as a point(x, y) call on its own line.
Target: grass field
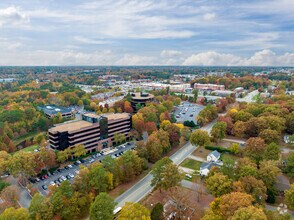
point(24, 137)
point(191, 164)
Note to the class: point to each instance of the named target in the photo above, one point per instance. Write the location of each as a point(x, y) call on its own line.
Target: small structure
point(206, 167)
point(213, 156)
point(51, 111)
point(287, 140)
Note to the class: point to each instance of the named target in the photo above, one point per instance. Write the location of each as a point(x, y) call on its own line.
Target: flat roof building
point(212, 87)
point(52, 110)
point(94, 131)
point(140, 98)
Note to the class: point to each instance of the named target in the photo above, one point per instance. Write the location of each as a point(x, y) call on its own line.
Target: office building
point(51, 111)
point(140, 98)
point(211, 87)
point(94, 131)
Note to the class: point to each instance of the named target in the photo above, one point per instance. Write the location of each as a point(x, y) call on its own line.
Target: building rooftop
point(143, 95)
point(92, 115)
point(215, 153)
point(70, 126)
point(54, 109)
point(117, 116)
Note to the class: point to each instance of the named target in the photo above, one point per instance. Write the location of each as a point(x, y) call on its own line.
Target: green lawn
point(228, 156)
point(191, 164)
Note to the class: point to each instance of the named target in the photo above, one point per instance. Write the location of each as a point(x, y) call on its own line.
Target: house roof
point(208, 166)
point(215, 153)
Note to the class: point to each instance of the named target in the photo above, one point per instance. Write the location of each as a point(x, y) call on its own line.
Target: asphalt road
point(143, 187)
point(184, 112)
point(248, 97)
point(72, 170)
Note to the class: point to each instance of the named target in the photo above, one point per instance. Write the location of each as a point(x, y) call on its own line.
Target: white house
point(205, 168)
point(213, 156)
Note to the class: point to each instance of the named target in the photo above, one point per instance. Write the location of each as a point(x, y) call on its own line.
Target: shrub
point(156, 213)
point(3, 185)
point(219, 149)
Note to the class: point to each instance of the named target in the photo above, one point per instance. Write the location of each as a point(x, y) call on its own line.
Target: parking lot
point(70, 171)
point(187, 112)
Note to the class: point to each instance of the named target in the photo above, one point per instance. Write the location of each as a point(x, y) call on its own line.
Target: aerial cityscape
point(152, 110)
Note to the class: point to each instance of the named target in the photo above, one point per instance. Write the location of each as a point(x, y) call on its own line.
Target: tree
point(102, 208)
point(98, 178)
point(62, 156)
point(200, 137)
point(255, 148)
point(158, 170)
point(228, 167)
point(134, 211)
point(11, 195)
point(268, 172)
point(219, 184)
point(228, 204)
point(290, 164)
point(186, 133)
point(15, 214)
point(171, 177)
point(174, 134)
point(272, 152)
point(119, 138)
point(289, 197)
point(154, 148)
point(150, 127)
point(254, 187)
point(248, 213)
point(79, 150)
point(269, 136)
point(290, 123)
point(218, 131)
point(235, 149)
point(38, 139)
point(157, 212)
point(40, 208)
point(138, 123)
point(239, 129)
point(164, 123)
point(195, 94)
point(4, 161)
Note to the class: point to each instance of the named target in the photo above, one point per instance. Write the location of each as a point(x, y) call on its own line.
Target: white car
point(77, 171)
point(71, 175)
point(63, 178)
point(52, 183)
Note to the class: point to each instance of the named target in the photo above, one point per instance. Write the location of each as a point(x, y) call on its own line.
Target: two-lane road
point(143, 187)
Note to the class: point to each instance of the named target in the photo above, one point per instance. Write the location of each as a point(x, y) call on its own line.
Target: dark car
point(68, 177)
point(128, 143)
point(32, 180)
point(44, 187)
point(59, 170)
point(191, 115)
point(82, 160)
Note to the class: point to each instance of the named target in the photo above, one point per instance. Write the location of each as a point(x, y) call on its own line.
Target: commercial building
point(175, 87)
point(94, 131)
point(52, 110)
point(140, 98)
point(211, 87)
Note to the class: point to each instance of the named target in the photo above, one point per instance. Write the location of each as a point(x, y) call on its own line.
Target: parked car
point(128, 143)
point(63, 178)
point(52, 183)
point(68, 177)
point(56, 182)
point(32, 180)
point(91, 160)
point(77, 171)
point(44, 187)
point(38, 180)
point(71, 175)
point(82, 160)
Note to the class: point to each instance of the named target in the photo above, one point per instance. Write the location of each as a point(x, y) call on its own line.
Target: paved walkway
point(186, 170)
point(197, 158)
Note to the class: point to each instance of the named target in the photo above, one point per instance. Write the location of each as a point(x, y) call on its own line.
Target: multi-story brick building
point(211, 87)
point(94, 131)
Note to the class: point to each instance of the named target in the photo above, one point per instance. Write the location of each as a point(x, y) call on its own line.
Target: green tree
point(98, 178)
point(272, 152)
point(154, 148)
point(218, 131)
point(290, 164)
point(38, 139)
point(219, 184)
point(134, 211)
point(256, 188)
point(40, 208)
point(289, 197)
point(195, 94)
point(235, 149)
point(200, 137)
point(62, 156)
point(157, 212)
point(102, 208)
point(79, 150)
point(15, 214)
point(268, 172)
point(158, 170)
point(119, 138)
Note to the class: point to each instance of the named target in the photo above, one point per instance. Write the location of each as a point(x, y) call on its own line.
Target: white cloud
point(13, 16)
point(91, 41)
point(209, 16)
point(261, 58)
point(170, 53)
point(136, 60)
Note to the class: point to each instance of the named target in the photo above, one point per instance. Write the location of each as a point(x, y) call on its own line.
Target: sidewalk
point(197, 158)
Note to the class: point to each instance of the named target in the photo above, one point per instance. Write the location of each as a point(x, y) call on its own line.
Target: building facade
point(211, 87)
point(51, 111)
point(95, 132)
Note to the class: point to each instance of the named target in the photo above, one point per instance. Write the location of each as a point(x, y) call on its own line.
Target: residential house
point(213, 156)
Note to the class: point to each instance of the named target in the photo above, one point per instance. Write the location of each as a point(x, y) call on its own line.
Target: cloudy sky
point(147, 32)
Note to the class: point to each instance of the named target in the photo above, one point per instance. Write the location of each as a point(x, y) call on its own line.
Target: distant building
point(94, 131)
point(140, 98)
point(211, 87)
point(213, 156)
point(52, 110)
point(223, 93)
point(7, 80)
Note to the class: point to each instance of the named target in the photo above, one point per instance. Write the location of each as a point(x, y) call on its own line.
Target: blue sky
point(151, 32)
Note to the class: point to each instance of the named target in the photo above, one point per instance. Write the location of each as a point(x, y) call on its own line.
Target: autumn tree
point(219, 184)
point(138, 123)
point(256, 188)
point(4, 159)
point(289, 197)
point(255, 148)
point(134, 211)
point(269, 136)
point(102, 208)
point(150, 127)
point(218, 131)
point(98, 179)
point(249, 212)
point(40, 208)
point(119, 138)
point(268, 172)
point(15, 214)
point(79, 150)
point(200, 137)
point(290, 164)
point(174, 134)
point(154, 148)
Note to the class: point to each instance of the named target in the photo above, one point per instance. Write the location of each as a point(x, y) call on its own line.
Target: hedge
point(219, 149)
